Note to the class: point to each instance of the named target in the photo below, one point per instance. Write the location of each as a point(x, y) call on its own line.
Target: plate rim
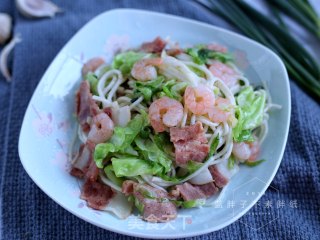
point(186, 21)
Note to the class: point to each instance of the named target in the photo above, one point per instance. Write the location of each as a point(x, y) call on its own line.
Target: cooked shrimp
point(198, 99)
point(255, 150)
point(91, 65)
point(101, 128)
point(221, 111)
point(227, 74)
point(144, 69)
point(241, 151)
point(246, 151)
point(165, 112)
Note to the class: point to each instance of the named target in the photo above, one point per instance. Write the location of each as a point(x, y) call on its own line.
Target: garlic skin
point(37, 8)
point(5, 27)
point(4, 57)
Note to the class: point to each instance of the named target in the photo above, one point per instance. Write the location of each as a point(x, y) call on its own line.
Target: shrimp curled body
point(221, 111)
point(227, 74)
point(246, 151)
point(199, 99)
point(165, 112)
point(144, 69)
point(101, 128)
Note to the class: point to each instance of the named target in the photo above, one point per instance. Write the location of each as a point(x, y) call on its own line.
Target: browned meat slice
point(108, 111)
point(156, 46)
point(190, 143)
point(153, 202)
point(193, 132)
point(81, 163)
point(84, 166)
point(128, 187)
point(219, 180)
point(91, 65)
point(174, 51)
point(189, 192)
point(96, 194)
point(208, 189)
point(92, 171)
point(191, 150)
point(86, 107)
point(155, 211)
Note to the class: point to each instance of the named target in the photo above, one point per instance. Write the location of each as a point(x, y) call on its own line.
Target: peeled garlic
point(5, 27)
point(37, 8)
point(4, 57)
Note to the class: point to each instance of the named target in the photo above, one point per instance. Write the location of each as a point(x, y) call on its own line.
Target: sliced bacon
point(128, 187)
point(190, 150)
point(96, 194)
point(208, 189)
point(193, 132)
point(156, 46)
point(155, 207)
point(155, 211)
point(190, 143)
point(84, 166)
point(92, 171)
point(86, 107)
point(80, 165)
point(219, 180)
point(174, 51)
point(76, 172)
point(189, 191)
point(91, 65)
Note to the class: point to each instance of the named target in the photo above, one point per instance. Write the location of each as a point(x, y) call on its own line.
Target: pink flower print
point(116, 43)
point(64, 125)
point(61, 160)
point(188, 220)
point(241, 60)
point(81, 205)
point(75, 192)
point(43, 124)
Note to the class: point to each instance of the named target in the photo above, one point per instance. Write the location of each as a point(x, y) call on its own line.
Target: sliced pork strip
point(191, 150)
point(156, 46)
point(155, 211)
point(193, 132)
point(86, 107)
point(208, 189)
point(174, 51)
point(220, 179)
point(96, 194)
point(128, 187)
point(190, 143)
point(189, 192)
point(91, 65)
point(79, 166)
point(156, 206)
point(92, 171)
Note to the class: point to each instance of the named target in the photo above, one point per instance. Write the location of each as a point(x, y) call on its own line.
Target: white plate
point(49, 121)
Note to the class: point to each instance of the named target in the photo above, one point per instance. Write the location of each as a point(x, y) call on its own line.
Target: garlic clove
point(4, 57)
point(37, 8)
point(5, 27)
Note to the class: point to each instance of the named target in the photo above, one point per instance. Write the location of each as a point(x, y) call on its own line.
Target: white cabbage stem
point(202, 178)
